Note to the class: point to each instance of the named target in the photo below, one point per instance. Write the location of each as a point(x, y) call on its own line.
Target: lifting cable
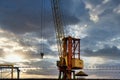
point(42, 24)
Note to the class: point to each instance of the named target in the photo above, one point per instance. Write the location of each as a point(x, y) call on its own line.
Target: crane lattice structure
point(9, 68)
point(68, 47)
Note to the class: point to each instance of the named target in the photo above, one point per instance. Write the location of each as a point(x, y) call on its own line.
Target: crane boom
point(58, 24)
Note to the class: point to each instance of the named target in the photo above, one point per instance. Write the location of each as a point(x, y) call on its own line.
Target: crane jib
point(57, 24)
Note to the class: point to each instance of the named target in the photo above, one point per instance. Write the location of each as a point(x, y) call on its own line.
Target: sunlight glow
point(93, 60)
point(13, 58)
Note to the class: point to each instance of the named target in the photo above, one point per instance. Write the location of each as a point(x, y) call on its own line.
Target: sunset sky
point(23, 37)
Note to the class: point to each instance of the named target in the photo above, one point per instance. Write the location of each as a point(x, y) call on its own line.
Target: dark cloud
point(21, 18)
point(107, 27)
point(107, 52)
point(15, 16)
point(73, 11)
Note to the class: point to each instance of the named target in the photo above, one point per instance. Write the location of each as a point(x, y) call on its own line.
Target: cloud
point(78, 30)
point(1, 52)
point(22, 19)
point(95, 22)
point(105, 1)
point(100, 8)
point(101, 33)
point(102, 74)
point(29, 46)
point(45, 68)
point(107, 53)
point(42, 64)
point(38, 44)
point(52, 72)
point(117, 9)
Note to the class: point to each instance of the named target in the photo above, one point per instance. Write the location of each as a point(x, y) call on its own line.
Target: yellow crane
point(68, 47)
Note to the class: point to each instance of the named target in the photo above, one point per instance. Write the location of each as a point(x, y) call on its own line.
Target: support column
point(69, 56)
point(12, 72)
point(18, 73)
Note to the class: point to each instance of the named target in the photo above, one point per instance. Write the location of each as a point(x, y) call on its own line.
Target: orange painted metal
point(71, 50)
point(69, 57)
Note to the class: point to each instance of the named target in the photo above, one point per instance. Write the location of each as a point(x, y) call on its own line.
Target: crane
point(68, 47)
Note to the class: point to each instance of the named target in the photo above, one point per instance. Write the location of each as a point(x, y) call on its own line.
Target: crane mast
point(68, 47)
point(58, 24)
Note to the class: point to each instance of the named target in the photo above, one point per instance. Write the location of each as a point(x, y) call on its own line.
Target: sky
point(27, 29)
